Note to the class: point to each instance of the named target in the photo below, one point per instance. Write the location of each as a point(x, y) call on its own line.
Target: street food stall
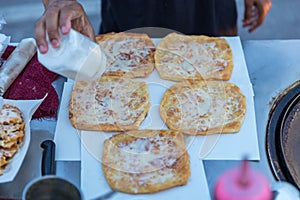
point(265, 71)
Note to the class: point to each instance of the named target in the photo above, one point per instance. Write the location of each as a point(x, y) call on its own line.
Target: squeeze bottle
point(242, 183)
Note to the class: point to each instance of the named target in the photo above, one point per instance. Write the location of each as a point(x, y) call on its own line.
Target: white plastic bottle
point(77, 58)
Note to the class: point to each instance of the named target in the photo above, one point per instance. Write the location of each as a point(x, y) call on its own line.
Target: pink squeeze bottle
point(242, 183)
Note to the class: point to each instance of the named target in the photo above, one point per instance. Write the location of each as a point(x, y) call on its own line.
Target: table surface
point(273, 65)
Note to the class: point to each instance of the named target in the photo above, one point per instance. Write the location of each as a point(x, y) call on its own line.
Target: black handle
point(48, 159)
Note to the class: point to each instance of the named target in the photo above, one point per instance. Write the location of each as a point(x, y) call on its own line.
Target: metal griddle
point(283, 136)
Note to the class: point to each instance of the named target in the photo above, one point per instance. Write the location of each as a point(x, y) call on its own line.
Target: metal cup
point(49, 186)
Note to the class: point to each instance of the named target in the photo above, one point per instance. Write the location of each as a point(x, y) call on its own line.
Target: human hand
point(63, 15)
point(255, 13)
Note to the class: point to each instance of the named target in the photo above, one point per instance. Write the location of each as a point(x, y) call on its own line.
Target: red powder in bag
point(33, 83)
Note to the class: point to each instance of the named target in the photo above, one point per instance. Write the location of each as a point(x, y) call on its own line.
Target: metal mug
point(49, 186)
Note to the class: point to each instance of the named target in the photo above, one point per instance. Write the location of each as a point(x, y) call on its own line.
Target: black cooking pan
point(283, 136)
point(289, 142)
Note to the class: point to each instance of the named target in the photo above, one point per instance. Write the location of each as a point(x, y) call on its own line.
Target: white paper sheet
point(66, 137)
point(93, 182)
point(28, 107)
point(213, 147)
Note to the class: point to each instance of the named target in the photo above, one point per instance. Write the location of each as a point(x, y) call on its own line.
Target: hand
point(63, 15)
point(255, 13)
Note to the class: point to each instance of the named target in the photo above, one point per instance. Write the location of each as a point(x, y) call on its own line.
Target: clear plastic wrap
point(77, 58)
point(16, 62)
point(4, 40)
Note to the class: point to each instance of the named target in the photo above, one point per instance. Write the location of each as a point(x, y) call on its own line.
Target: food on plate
point(145, 161)
point(128, 54)
point(203, 107)
point(180, 57)
point(12, 130)
point(109, 104)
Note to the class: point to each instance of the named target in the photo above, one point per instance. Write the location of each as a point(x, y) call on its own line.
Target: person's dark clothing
point(209, 17)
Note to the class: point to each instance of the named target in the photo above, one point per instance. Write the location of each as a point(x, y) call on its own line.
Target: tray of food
point(15, 116)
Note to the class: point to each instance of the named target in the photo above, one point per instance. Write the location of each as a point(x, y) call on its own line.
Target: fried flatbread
point(203, 107)
point(109, 104)
point(145, 161)
point(128, 54)
point(180, 57)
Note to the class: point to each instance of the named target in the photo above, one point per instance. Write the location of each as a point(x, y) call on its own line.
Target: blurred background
point(282, 22)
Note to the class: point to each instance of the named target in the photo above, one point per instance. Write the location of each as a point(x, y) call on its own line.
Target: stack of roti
point(12, 130)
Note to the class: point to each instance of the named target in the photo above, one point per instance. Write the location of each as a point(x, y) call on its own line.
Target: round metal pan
point(283, 136)
point(289, 140)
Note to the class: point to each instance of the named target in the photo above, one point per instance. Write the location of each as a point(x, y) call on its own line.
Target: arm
point(255, 13)
point(63, 15)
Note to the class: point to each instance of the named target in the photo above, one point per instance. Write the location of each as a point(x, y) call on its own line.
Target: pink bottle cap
point(242, 183)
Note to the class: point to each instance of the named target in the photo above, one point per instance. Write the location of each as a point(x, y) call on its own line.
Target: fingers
point(40, 36)
point(263, 8)
point(252, 19)
point(62, 15)
point(90, 32)
point(76, 18)
point(66, 16)
point(52, 26)
point(250, 15)
point(255, 13)
point(48, 25)
point(248, 8)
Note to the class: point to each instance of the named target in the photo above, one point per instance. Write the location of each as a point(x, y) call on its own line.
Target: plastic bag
point(4, 40)
point(86, 61)
point(2, 22)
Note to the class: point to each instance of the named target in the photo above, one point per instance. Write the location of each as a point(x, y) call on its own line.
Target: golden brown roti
point(145, 161)
point(12, 130)
point(203, 107)
point(129, 54)
point(179, 57)
point(109, 104)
